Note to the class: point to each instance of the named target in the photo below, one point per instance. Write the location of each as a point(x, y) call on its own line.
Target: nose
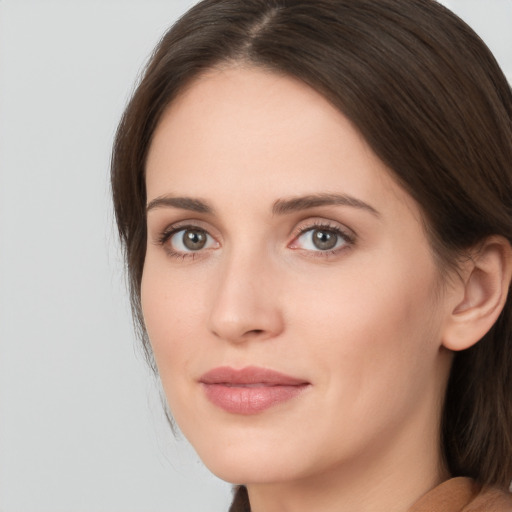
point(245, 302)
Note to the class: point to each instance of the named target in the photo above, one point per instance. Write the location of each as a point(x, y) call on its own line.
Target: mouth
point(250, 390)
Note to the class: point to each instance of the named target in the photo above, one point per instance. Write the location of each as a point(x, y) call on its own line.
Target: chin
point(250, 469)
point(255, 456)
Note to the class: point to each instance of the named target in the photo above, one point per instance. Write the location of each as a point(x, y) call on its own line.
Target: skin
point(363, 324)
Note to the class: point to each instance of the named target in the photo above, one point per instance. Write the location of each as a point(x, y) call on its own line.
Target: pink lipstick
point(249, 390)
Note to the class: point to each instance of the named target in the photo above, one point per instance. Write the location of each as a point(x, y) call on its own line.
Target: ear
point(480, 295)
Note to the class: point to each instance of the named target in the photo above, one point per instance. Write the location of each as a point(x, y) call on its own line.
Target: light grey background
point(81, 428)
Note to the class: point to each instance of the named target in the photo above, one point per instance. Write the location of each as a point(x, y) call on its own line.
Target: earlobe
point(483, 287)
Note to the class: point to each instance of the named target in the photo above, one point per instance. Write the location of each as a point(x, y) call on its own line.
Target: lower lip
point(250, 400)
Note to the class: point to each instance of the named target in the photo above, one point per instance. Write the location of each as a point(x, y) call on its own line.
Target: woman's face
point(290, 295)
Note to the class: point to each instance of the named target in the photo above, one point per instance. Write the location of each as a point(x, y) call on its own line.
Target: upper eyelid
point(318, 222)
point(175, 226)
point(349, 239)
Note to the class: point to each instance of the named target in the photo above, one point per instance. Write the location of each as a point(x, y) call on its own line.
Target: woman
point(315, 202)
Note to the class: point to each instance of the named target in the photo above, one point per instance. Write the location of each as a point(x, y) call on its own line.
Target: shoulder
point(490, 499)
point(464, 495)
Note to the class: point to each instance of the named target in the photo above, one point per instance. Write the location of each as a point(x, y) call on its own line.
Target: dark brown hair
point(429, 98)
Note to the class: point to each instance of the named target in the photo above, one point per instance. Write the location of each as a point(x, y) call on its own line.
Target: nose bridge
point(245, 302)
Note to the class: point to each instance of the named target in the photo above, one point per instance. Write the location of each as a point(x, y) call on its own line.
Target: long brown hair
point(429, 98)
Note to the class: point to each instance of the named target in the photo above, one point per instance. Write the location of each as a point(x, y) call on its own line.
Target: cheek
point(367, 302)
point(173, 312)
point(373, 332)
point(173, 309)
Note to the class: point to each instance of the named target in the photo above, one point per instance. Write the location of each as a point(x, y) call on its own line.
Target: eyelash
point(347, 237)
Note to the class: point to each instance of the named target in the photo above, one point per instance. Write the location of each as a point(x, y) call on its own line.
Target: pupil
point(194, 239)
point(324, 240)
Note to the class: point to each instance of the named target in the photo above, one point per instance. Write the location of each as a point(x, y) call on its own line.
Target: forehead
point(241, 132)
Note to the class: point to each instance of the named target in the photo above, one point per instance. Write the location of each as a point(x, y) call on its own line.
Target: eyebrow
point(284, 206)
point(280, 207)
point(183, 203)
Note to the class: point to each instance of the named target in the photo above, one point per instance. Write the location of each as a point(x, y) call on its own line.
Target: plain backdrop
point(81, 426)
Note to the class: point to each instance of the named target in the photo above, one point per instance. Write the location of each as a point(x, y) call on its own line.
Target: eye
point(321, 239)
point(187, 240)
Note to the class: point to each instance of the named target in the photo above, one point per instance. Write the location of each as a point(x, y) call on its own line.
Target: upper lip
point(249, 375)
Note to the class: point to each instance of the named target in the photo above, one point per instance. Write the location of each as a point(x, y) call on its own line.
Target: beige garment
point(464, 495)
point(455, 495)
